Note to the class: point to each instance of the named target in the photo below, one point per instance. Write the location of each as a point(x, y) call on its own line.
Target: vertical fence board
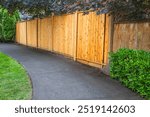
point(45, 34)
point(63, 34)
point(107, 38)
point(18, 32)
point(32, 33)
point(39, 34)
point(21, 35)
point(143, 36)
point(74, 35)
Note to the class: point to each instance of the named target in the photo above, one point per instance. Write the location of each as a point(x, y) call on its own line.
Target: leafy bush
point(132, 68)
point(122, 10)
point(7, 25)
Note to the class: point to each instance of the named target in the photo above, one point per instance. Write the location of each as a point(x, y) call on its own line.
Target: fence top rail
point(128, 22)
point(78, 12)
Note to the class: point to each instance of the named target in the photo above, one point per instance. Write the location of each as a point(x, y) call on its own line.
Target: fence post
point(17, 37)
point(111, 33)
point(26, 33)
point(105, 39)
point(75, 37)
point(52, 40)
point(108, 37)
point(38, 32)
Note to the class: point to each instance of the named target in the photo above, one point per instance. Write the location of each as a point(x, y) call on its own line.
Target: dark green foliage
point(130, 10)
point(132, 68)
point(7, 25)
point(123, 10)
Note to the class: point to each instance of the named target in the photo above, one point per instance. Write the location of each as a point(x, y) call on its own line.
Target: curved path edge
point(55, 77)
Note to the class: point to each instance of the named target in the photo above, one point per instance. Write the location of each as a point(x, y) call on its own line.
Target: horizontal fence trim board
point(91, 62)
point(66, 55)
point(129, 22)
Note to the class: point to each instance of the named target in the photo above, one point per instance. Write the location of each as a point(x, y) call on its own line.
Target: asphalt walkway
point(56, 77)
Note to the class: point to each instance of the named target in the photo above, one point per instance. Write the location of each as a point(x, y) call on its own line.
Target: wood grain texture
point(132, 35)
point(17, 33)
point(91, 34)
point(81, 37)
point(107, 39)
point(75, 28)
point(63, 34)
point(21, 33)
point(32, 33)
point(45, 34)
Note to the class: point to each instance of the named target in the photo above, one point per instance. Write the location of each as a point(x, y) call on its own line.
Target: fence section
point(45, 27)
point(86, 38)
point(82, 37)
point(63, 34)
point(91, 37)
point(21, 33)
point(17, 32)
point(132, 35)
point(32, 33)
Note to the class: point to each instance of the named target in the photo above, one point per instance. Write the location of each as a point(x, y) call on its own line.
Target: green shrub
point(132, 68)
point(7, 25)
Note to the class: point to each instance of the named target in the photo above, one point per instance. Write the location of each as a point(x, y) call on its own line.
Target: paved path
point(56, 77)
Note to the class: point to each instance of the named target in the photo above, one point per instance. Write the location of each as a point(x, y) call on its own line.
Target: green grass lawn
point(14, 82)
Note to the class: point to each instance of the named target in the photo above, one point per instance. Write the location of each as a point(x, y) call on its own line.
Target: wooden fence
point(63, 34)
point(45, 36)
point(32, 33)
point(85, 38)
point(21, 33)
point(81, 37)
point(132, 35)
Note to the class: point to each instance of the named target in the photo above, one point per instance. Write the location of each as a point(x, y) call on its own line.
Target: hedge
point(7, 25)
point(132, 69)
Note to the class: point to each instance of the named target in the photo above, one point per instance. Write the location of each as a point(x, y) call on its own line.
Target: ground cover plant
point(132, 68)
point(14, 81)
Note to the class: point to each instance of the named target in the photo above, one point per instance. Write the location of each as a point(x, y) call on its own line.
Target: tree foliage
point(121, 9)
point(7, 25)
